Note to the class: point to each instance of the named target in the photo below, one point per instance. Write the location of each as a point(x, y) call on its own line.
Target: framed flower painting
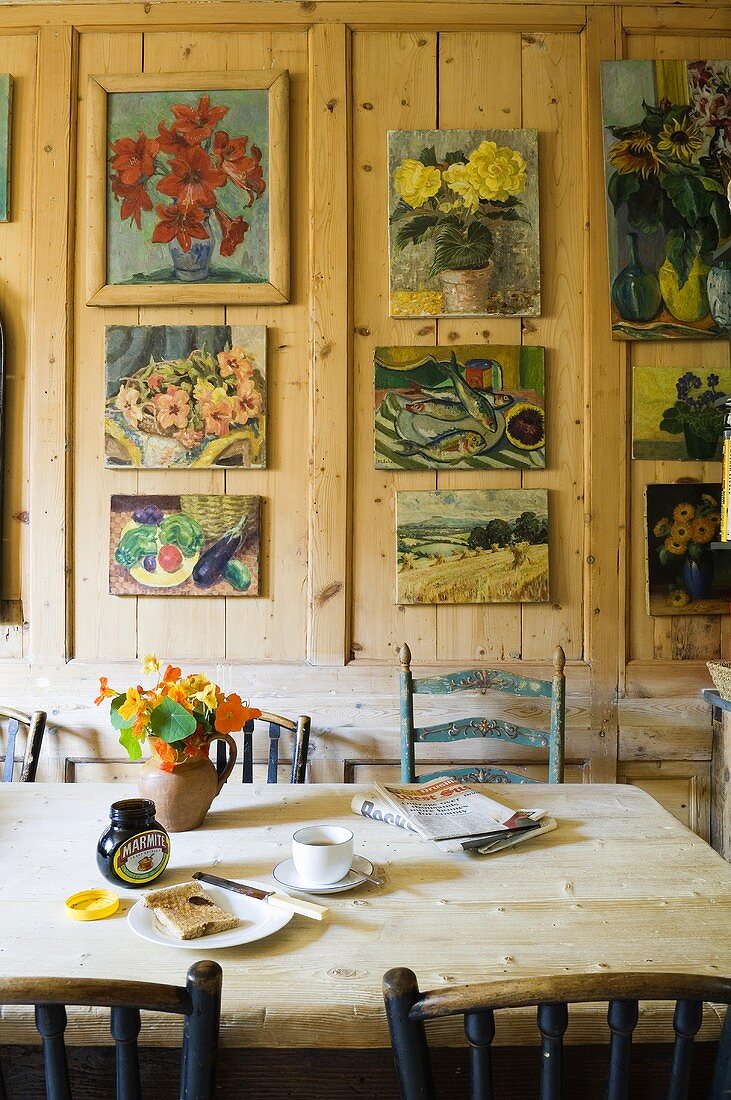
point(667, 128)
point(187, 197)
point(463, 217)
point(185, 396)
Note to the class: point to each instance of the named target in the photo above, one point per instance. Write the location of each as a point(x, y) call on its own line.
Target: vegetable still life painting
point(472, 546)
point(178, 716)
point(684, 576)
point(668, 168)
point(6, 103)
point(463, 407)
point(185, 396)
point(463, 216)
point(678, 414)
point(193, 188)
point(193, 545)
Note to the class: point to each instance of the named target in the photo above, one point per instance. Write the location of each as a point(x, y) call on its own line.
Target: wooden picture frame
point(101, 292)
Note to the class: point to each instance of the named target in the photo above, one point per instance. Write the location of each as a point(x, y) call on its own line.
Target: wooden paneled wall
point(322, 636)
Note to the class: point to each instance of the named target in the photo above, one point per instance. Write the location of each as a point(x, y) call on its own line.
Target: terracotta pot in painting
point(465, 290)
point(183, 796)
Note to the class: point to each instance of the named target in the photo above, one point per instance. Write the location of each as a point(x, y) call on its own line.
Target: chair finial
point(559, 658)
point(404, 654)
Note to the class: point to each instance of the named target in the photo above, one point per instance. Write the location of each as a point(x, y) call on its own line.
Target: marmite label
point(142, 857)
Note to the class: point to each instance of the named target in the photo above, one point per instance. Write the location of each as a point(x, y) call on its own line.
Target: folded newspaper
point(456, 817)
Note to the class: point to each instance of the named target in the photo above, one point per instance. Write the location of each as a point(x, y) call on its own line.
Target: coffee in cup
point(322, 854)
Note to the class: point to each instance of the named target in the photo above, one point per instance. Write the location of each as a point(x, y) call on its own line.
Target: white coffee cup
point(322, 854)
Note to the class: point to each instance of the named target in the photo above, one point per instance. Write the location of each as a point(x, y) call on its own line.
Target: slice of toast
point(187, 912)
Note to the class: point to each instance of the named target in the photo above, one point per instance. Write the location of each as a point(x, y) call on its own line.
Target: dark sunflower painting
point(667, 129)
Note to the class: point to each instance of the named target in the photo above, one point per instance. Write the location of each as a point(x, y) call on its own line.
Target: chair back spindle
point(125, 1024)
point(479, 1028)
point(622, 1018)
point(686, 1024)
point(552, 1023)
point(275, 723)
point(51, 1020)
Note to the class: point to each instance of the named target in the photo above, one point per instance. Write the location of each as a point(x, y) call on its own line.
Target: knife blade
point(271, 897)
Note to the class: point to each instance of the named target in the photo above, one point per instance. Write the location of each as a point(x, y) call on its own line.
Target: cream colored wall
point(356, 70)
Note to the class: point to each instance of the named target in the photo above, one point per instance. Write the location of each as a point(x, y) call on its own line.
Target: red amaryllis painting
point(185, 183)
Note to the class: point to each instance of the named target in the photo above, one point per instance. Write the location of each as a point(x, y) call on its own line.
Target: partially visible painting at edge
point(676, 414)
point(469, 406)
point(6, 110)
point(463, 217)
point(185, 396)
point(668, 170)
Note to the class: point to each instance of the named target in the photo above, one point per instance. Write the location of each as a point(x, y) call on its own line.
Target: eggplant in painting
point(212, 562)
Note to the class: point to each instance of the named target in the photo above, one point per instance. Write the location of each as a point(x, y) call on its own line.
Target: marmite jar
point(135, 849)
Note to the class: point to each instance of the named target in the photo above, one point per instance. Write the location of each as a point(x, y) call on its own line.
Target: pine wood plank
point(394, 87)
point(104, 625)
point(479, 86)
point(48, 604)
point(591, 895)
point(329, 589)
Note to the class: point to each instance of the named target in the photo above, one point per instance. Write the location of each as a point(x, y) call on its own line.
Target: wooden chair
point(408, 1009)
point(199, 1002)
point(300, 744)
point(35, 724)
point(468, 728)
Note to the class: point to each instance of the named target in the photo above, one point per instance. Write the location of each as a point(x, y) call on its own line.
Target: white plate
point(258, 919)
point(286, 875)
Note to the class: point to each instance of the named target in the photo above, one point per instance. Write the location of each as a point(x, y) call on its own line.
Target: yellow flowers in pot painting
point(463, 214)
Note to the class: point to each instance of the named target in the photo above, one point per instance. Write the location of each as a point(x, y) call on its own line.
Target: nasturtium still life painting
point(184, 545)
point(668, 171)
point(463, 217)
point(6, 104)
point(462, 407)
point(185, 396)
point(684, 575)
point(187, 188)
point(472, 546)
point(677, 412)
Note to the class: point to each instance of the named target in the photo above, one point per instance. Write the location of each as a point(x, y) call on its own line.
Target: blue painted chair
point(461, 729)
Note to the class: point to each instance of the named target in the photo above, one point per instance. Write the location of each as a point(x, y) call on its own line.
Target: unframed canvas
point(472, 546)
point(668, 169)
point(463, 208)
point(184, 545)
point(675, 415)
point(471, 406)
point(185, 396)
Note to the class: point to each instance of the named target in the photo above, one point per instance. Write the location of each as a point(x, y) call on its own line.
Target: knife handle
point(297, 905)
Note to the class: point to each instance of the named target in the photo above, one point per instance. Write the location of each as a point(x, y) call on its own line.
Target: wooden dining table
point(619, 885)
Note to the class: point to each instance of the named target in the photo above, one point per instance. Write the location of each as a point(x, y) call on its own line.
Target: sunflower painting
point(668, 168)
point(684, 575)
point(463, 215)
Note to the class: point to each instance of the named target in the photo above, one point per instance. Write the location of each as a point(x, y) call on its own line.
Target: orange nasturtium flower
point(132, 705)
point(171, 674)
point(105, 692)
point(232, 715)
point(166, 753)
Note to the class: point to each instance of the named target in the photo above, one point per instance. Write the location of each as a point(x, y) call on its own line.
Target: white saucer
point(286, 874)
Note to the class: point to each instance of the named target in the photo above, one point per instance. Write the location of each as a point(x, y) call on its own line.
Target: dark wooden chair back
point(408, 1009)
point(300, 729)
point(36, 725)
point(199, 1002)
point(460, 729)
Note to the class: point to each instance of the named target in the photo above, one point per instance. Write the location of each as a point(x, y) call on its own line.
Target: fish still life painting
point(463, 220)
point(667, 127)
point(685, 576)
point(677, 415)
point(470, 546)
point(185, 396)
point(187, 545)
point(463, 407)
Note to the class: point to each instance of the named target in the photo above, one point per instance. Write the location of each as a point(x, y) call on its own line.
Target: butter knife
point(271, 897)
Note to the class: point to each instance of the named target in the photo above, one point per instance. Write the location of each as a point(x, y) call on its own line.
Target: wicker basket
point(216, 514)
point(721, 675)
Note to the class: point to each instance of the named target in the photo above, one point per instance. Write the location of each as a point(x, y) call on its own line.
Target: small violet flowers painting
point(188, 177)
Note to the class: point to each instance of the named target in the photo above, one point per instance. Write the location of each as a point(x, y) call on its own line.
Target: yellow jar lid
point(92, 904)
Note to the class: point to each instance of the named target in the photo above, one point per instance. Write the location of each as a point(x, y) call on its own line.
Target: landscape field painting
point(471, 406)
point(6, 106)
point(471, 546)
point(184, 545)
point(677, 413)
point(463, 221)
point(185, 396)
